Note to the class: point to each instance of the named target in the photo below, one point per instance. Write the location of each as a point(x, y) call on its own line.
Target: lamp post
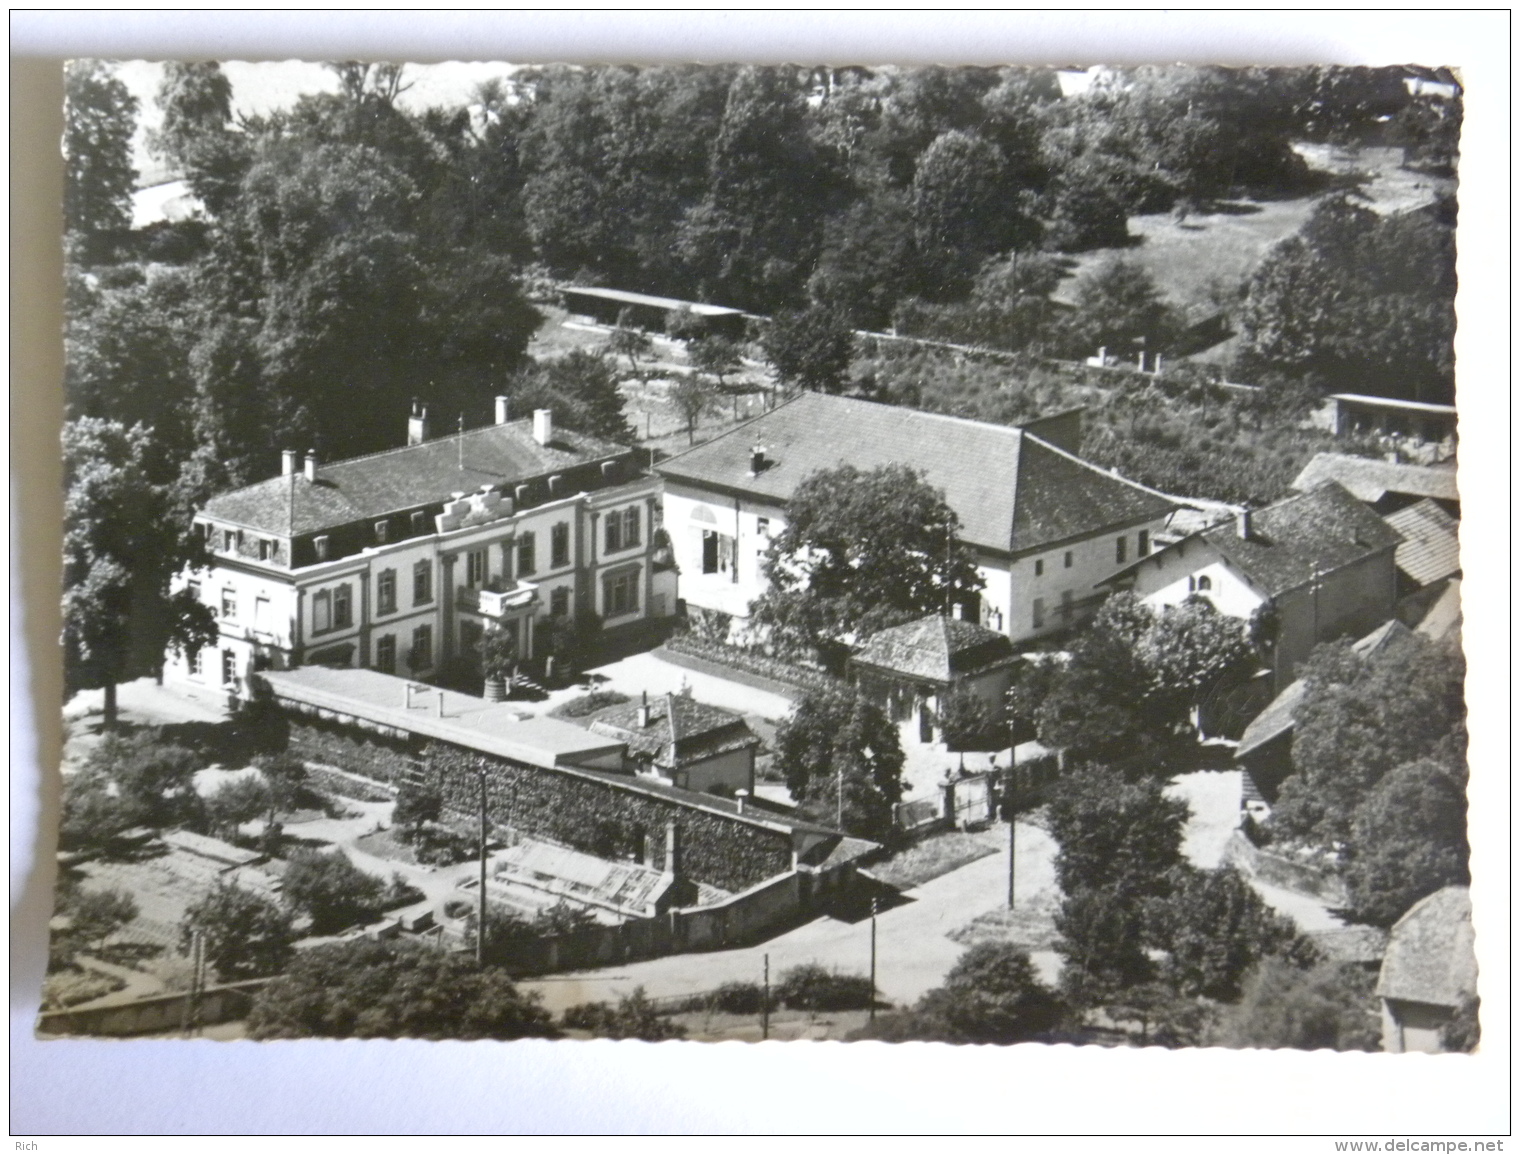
point(765, 1001)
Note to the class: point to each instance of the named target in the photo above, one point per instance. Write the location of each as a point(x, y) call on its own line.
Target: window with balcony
point(229, 604)
point(421, 657)
point(476, 565)
point(422, 583)
point(525, 560)
point(385, 592)
point(559, 545)
point(385, 654)
point(343, 608)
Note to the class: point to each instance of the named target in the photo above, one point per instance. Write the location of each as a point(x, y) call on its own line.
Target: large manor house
point(401, 561)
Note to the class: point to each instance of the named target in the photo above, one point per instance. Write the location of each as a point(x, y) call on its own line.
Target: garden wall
point(1275, 870)
point(744, 918)
point(351, 749)
point(610, 819)
point(156, 1015)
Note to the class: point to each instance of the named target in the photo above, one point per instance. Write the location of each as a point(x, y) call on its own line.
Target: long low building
point(549, 780)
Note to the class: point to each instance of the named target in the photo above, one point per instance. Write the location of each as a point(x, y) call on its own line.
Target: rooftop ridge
point(1099, 470)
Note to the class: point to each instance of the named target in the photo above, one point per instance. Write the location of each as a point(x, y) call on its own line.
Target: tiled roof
point(1300, 537)
point(1428, 552)
point(1352, 944)
point(1011, 490)
point(1369, 479)
point(936, 648)
point(692, 730)
point(1430, 955)
point(1278, 718)
point(405, 478)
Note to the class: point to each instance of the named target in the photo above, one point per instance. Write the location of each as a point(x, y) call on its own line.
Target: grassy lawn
point(937, 855)
point(385, 844)
point(1031, 926)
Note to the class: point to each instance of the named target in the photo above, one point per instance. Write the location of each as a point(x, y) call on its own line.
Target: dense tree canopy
point(1363, 302)
point(365, 989)
point(842, 757)
point(246, 935)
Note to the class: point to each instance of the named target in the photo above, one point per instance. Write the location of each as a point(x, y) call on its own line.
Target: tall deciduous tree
point(99, 118)
point(196, 134)
point(331, 889)
point(810, 348)
point(1119, 306)
point(122, 544)
point(862, 550)
point(841, 756)
point(964, 210)
point(1330, 1006)
point(246, 935)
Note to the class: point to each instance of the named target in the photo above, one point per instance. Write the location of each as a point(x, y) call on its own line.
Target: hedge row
point(759, 664)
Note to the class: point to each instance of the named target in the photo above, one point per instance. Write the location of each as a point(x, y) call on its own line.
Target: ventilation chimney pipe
point(1243, 524)
point(757, 460)
point(417, 425)
point(543, 426)
point(502, 408)
point(643, 711)
point(740, 798)
point(287, 462)
point(311, 465)
point(672, 848)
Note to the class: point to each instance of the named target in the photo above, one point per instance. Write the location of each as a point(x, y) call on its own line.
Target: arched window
point(1204, 582)
point(703, 514)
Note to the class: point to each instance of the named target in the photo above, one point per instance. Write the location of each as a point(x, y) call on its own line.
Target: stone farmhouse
point(1046, 525)
point(1321, 563)
point(399, 561)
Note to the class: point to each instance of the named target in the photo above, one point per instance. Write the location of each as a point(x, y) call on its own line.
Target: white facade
point(719, 542)
point(410, 606)
point(1195, 568)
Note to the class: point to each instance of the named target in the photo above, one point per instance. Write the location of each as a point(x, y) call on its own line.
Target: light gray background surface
point(411, 1087)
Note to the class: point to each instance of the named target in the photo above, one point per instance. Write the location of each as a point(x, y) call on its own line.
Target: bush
point(416, 805)
point(331, 889)
point(811, 987)
point(766, 667)
point(590, 703)
point(739, 999)
point(634, 1017)
point(434, 844)
point(1331, 1006)
point(399, 892)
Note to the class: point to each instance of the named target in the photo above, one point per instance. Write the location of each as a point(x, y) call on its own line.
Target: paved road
point(913, 953)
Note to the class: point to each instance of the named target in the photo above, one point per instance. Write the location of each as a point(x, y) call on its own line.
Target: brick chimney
point(502, 409)
point(643, 711)
point(287, 462)
point(417, 425)
point(311, 465)
point(757, 461)
point(543, 426)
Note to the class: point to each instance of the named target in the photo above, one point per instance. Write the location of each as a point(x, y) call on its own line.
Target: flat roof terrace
point(416, 708)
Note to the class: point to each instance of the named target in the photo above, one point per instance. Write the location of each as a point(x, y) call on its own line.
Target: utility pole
point(839, 802)
point(765, 1001)
point(1008, 804)
point(480, 925)
point(873, 957)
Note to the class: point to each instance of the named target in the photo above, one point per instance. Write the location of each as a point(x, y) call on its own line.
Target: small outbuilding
point(1429, 973)
point(916, 667)
point(682, 742)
